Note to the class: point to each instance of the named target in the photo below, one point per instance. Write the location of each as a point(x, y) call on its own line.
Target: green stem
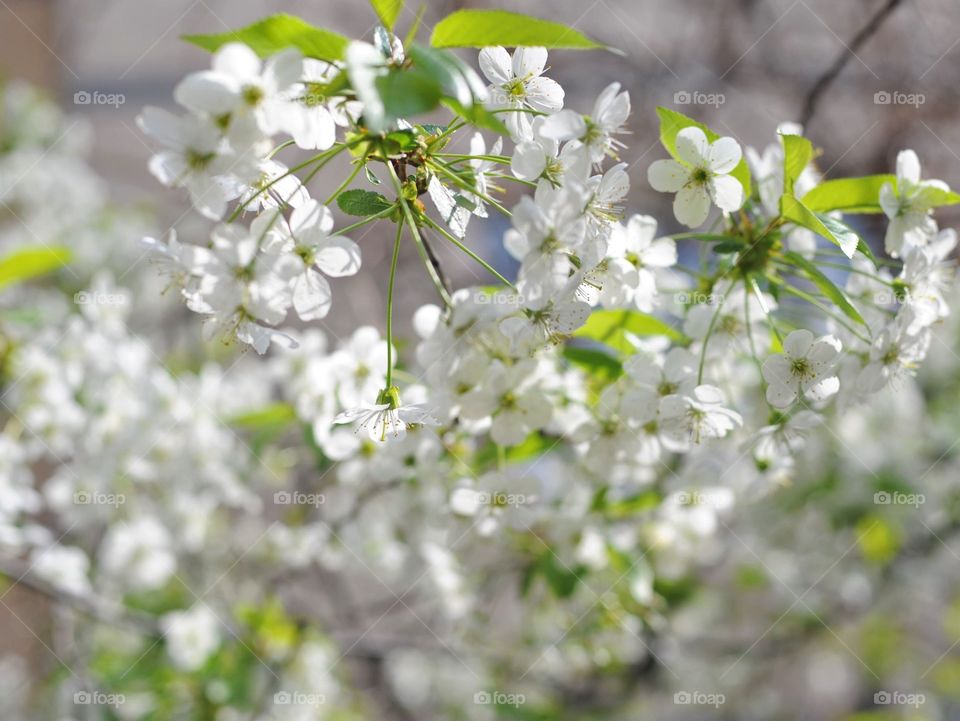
point(851, 269)
point(467, 250)
point(766, 311)
point(415, 231)
point(706, 338)
point(458, 181)
point(393, 278)
point(817, 304)
point(316, 158)
point(368, 219)
point(358, 164)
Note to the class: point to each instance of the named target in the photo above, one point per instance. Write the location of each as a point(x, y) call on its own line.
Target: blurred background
point(867, 77)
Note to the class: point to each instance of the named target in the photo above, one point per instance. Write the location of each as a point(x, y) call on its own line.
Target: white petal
point(798, 343)
point(667, 176)
point(529, 61)
point(908, 167)
point(495, 64)
point(824, 388)
point(237, 60)
point(208, 92)
point(727, 193)
point(724, 155)
point(692, 205)
point(692, 146)
point(780, 396)
point(338, 257)
point(312, 297)
point(544, 94)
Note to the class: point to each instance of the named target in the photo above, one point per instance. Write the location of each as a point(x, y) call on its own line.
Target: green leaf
point(797, 152)
point(830, 228)
point(611, 327)
point(407, 91)
point(272, 415)
point(362, 202)
point(276, 33)
point(27, 263)
point(672, 122)
point(601, 365)
point(729, 246)
point(850, 195)
point(825, 286)
point(388, 11)
point(483, 28)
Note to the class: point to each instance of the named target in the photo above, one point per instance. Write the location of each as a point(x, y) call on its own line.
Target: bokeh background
point(867, 77)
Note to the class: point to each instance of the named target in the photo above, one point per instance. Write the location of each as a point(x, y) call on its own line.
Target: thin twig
point(850, 49)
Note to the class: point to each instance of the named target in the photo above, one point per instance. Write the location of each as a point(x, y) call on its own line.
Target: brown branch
point(825, 80)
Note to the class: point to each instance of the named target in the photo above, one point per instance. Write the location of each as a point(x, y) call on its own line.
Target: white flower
point(926, 276)
point(191, 636)
point(196, 158)
point(139, 554)
point(699, 177)
point(518, 83)
point(697, 416)
point(358, 366)
point(628, 274)
point(314, 127)
point(307, 242)
point(806, 368)
point(909, 206)
point(511, 397)
point(541, 157)
point(388, 419)
point(66, 567)
point(897, 350)
point(240, 83)
point(595, 131)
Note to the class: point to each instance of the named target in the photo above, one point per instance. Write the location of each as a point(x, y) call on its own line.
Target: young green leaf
point(595, 362)
point(362, 202)
point(830, 228)
point(612, 326)
point(672, 122)
point(388, 11)
point(797, 152)
point(276, 33)
point(825, 286)
point(850, 195)
point(27, 263)
point(483, 28)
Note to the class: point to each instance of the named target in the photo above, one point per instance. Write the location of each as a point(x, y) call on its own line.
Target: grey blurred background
point(742, 66)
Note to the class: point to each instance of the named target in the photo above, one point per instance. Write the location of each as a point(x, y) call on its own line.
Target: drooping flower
point(517, 83)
